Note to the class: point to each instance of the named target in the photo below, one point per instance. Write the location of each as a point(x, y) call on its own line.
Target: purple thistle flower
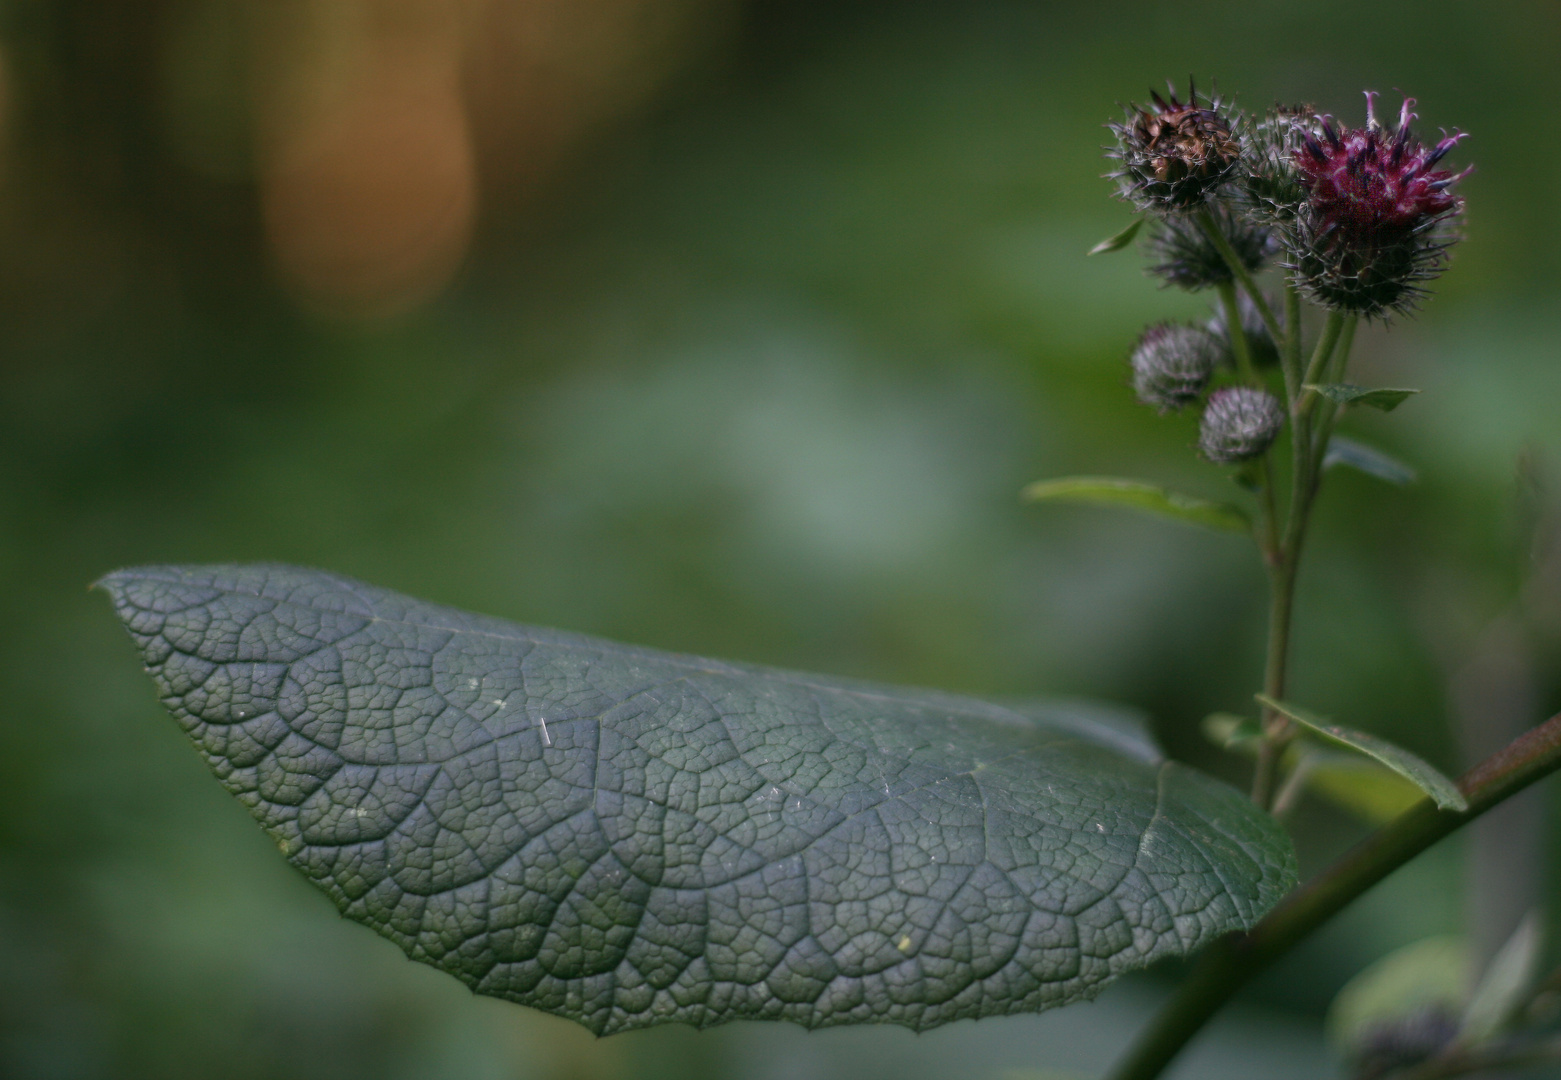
point(1374, 222)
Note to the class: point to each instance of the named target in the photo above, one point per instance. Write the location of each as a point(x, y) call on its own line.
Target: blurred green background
point(729, 327)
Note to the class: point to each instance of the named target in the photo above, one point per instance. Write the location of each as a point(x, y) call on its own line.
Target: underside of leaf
point(1140, 495)
point(628, 837)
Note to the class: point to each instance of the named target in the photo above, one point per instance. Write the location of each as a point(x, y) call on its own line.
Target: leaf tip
point(1118, 241)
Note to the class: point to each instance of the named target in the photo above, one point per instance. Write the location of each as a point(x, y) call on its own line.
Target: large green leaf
point(628, 837)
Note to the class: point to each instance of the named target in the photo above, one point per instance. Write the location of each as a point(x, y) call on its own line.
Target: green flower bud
point(1185, 257)
point(1265, 353)
point(1172, 363)
point(1239, 423)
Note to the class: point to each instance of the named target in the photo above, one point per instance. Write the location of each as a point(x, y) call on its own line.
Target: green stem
point(1211, 229)
point(1277, 728)
point(1268, 539)
point(1330, 412)
point(1319, 362)
point(1292, 346)
point(1229, 963)
point(1294, 786)
point(1237, 334)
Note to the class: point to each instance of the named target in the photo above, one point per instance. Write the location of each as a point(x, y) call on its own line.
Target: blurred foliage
point(734, 330)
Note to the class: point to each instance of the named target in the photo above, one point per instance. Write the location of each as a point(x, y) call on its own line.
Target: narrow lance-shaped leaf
point(1140, 495)
point(1345, 777)
point(1419, 988)
point(1384, 398)
point(1505, 985)
point(628, 837)
point(1118, 241)
point(1411, 767)
point(1367, 459)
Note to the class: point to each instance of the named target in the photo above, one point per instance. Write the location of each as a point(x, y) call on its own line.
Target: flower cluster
point(1362, 217)
point(1186, 258)
point(1358, 219)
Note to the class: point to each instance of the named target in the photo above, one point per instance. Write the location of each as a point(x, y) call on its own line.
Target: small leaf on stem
point(1231, 732)
point(1140, 495)
point(1385, 398)
point(1367, 459)
point(1411, 767)
point(1119, 241)
point(1505, 985)
point(1361, 786)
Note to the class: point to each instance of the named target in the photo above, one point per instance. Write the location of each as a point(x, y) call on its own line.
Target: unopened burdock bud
point(1184, 256)
point(1272, 186)
point(1174, 154)
point(1172, 363)
point(1265, 352)
point(1239, 423)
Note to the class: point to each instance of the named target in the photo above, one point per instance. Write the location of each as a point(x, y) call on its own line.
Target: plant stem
point(1291, 355)
point(1295, 784)
point(1268, 539)
point(1319, 362)
point(1237, 334)
point(1211, 229)
point(1277, 729)
point(1230, 962)
point(1328, 414)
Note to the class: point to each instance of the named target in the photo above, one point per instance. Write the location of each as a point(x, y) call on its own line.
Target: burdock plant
point(627, 837)
point(1354, 222)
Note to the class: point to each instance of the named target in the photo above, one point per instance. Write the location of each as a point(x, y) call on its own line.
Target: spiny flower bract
point(1272, 187)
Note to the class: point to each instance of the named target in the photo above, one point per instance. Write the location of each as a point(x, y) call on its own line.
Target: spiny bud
point(1377, 217)
point(1265, 352)
point(1174, 154)
point(1271, 184)
point(1239, 423)
point(1172, 363)
point(1188, 259)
